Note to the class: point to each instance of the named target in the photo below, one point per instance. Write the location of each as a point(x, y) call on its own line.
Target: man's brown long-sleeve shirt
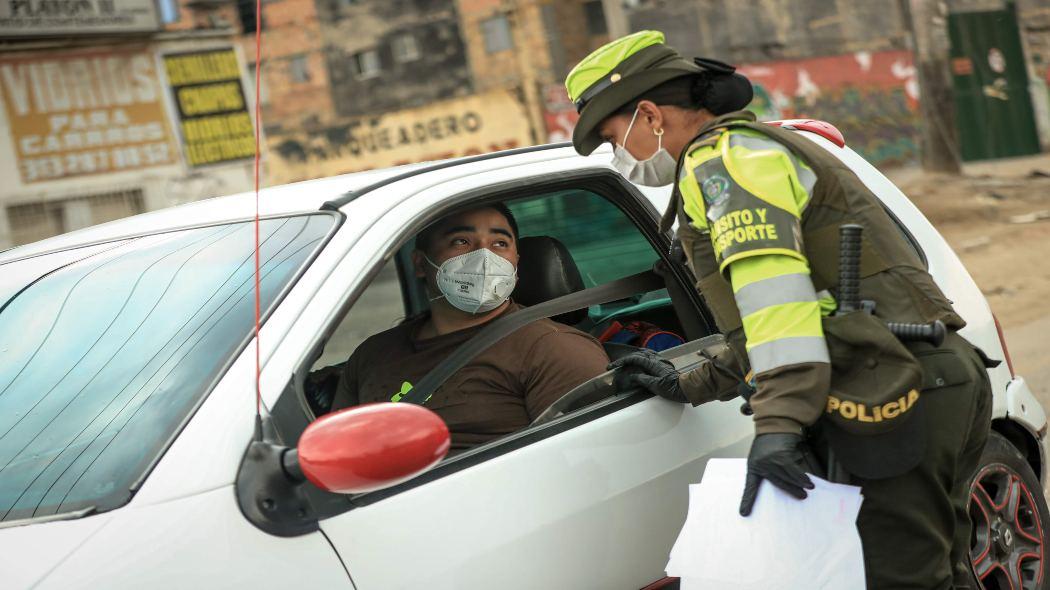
point(500, 391)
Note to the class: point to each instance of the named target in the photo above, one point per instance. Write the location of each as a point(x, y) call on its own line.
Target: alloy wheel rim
point(1006, 544)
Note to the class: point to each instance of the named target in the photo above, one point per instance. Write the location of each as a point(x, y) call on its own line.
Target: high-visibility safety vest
point(759, 210)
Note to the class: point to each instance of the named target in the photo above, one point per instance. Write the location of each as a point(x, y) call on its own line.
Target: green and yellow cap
point(617, 73)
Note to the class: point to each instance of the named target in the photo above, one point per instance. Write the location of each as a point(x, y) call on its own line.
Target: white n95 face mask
point(657, 170)
point(476, 282)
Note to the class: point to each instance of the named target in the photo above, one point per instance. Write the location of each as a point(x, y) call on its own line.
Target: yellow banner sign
point(80, 113)
point(461, 127)
point(213, 113)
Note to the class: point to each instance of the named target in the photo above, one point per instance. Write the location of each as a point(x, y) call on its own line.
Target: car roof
point(296, 198)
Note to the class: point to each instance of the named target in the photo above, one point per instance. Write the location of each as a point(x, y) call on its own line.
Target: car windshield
point(105, 351)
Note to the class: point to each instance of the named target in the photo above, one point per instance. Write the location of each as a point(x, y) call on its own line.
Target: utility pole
point(615, 18)
point(928, 23)
point(517, 21)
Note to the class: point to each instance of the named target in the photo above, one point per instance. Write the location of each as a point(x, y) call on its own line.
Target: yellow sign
point(461, 127)
point(80, 113)
point(213, 113)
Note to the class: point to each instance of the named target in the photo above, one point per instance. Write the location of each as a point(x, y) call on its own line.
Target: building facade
point(102, 126)
point(415, 80)
point(851, 63)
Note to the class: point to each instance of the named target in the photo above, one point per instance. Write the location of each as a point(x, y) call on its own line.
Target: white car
point(131, 455)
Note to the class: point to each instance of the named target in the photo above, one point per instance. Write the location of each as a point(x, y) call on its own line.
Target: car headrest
point(546, 270)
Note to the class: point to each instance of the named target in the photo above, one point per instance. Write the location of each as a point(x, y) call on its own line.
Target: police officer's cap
point(621, 71)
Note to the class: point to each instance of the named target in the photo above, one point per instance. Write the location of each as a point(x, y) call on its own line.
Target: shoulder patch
point(741, 223)
point(715, 189)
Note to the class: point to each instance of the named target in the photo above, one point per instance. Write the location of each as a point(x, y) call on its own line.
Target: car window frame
point(291, 413)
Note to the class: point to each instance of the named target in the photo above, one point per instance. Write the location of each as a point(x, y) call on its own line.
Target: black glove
point(650, 371)
point(781, 458)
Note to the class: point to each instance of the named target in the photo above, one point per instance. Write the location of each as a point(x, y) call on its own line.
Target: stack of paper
point(786, 544)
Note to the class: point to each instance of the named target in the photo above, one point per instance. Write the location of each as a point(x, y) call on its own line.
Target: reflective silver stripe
point(791, 288)
point(788, 351)
point(805, 174)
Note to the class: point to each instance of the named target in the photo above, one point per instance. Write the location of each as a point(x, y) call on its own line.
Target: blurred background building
point(113, 107)
point(107, 112)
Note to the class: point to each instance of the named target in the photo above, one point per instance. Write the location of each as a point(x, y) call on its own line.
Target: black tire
point(1011, 523)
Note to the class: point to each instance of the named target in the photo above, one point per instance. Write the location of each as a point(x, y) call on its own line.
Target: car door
point(592, 500)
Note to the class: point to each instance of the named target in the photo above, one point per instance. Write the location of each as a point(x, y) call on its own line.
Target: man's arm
point(556, 363)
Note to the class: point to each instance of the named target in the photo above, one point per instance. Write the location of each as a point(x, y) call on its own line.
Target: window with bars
point(496, 32)
point(30, 222)
point(405, 48)
point(365, 64)
point(299, 69)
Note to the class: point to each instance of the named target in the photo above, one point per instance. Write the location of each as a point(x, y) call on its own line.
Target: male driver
point(468, 262)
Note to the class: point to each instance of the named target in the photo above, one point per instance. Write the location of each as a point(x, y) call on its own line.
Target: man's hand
point(779, 458)
point(650, 371)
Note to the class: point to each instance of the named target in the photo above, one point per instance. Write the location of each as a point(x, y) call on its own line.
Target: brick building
point(389, 55)
point(528, 46)
point(295, 89)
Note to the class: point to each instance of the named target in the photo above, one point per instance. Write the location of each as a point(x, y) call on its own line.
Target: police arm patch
point(742, 224)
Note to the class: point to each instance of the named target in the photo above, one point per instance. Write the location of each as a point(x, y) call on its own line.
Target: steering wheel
point(684, 357)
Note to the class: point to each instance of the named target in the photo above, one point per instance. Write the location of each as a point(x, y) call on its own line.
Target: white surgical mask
point(476, 282)
point(657, 170)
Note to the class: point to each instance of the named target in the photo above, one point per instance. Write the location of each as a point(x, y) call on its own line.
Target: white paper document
point(786, 544)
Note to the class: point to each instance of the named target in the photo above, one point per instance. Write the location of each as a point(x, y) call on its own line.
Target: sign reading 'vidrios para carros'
point(85, 112)
point(22, 18)
point(213, 113)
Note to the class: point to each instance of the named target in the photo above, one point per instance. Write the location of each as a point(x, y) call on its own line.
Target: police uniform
point(759, 210)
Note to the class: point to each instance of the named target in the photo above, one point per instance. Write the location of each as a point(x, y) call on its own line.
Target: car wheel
point(1008, 549)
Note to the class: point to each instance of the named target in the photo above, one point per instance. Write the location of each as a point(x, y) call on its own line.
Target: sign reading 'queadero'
point(20, 18)
point(78, 113)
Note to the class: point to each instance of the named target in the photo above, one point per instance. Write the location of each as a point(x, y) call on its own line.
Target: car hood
point(28, 553)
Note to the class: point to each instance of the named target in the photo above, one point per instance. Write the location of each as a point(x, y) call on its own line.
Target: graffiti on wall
point(871, 97)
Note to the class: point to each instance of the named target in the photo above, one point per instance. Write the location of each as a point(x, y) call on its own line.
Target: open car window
point(379, 308)
point(609, 232)
point(603, 244)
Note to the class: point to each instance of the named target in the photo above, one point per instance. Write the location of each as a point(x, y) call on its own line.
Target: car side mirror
point(370, 447)
point(357, 450)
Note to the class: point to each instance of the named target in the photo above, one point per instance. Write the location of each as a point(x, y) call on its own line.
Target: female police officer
point(759, 211)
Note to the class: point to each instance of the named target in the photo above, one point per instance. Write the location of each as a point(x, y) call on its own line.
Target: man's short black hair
point(424, 237)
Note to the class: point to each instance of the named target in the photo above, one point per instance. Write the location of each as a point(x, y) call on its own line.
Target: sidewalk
point(1006, 168)
point(996, 216)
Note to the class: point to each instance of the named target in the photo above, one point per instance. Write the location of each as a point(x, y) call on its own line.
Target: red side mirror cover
point(372, 447)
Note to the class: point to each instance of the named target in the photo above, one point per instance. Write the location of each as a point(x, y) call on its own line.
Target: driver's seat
point(546, 270)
